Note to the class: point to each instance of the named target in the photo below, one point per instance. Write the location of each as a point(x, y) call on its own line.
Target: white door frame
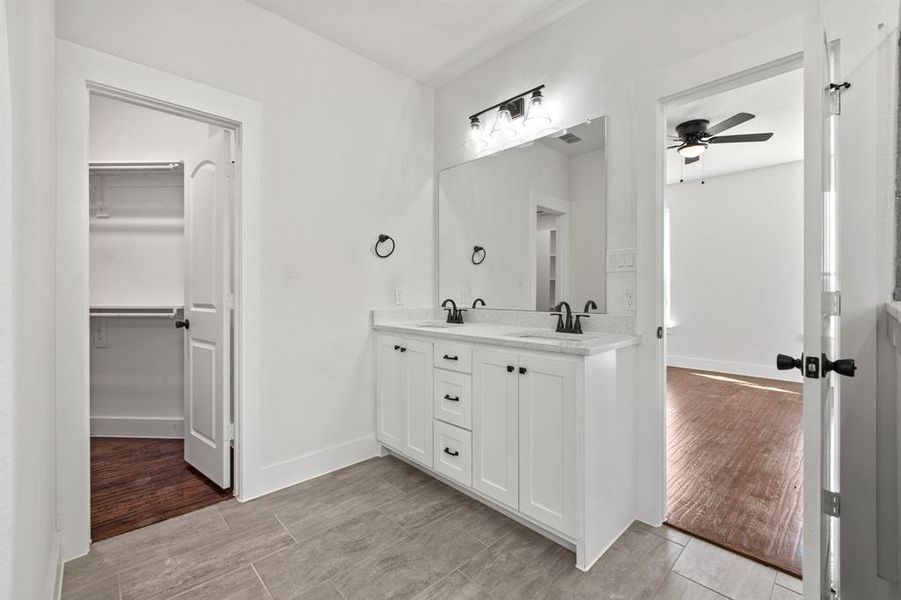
point(563, 209)
point(746, 77)
point(650, 94)
point(81, 72)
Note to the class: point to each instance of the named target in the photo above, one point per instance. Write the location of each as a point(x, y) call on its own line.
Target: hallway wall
point(29, 544)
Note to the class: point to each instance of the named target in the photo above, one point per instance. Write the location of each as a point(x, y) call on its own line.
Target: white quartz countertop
point(545, 340)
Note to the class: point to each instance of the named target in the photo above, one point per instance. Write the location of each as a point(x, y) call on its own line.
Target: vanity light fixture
point(504, 128)
point(537, 117)
point(476, 140)
point(503, 125)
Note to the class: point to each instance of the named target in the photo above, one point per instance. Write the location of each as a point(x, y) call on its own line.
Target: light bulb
point(537, 117)
point(476, 139)
point(692, 149)
point(503, 125)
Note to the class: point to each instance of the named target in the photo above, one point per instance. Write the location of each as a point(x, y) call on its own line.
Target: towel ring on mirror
point(382, 239)
point(477, 250)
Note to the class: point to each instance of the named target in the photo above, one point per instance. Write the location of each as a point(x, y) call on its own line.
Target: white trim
point(138, 427)
point(563, 208)
point(314, 464)
point(54, 585)
point(77, 69)
point(732, 368)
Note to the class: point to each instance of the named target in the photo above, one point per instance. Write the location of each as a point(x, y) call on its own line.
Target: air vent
point(569, 138)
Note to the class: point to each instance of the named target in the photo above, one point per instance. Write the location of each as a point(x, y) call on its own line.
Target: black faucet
point(476, 301)
point(577, 326)
point(454, 314)
point(562, 327)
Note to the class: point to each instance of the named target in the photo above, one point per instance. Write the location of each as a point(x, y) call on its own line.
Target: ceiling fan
point(696, 135)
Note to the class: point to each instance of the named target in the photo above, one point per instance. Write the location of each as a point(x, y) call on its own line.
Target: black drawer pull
point(402, 349)
point(451, 452)
point(448, 357)
point(451, 398)
point(396, 347)
point(510, 368)
point(522, 370)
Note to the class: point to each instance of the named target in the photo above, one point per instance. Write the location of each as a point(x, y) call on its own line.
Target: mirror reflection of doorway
point(547, 291)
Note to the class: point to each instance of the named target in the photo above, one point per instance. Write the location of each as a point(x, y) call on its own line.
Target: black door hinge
point(660, 333)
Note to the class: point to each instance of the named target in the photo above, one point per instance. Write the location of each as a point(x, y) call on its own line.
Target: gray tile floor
point(381, 529)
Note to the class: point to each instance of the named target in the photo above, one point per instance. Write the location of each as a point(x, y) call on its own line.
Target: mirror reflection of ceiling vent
point(570, 138)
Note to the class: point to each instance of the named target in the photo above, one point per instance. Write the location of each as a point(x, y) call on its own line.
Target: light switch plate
point(621, 260)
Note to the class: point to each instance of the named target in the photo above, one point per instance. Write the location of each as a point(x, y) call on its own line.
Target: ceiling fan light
point(692, 149)
point(475, 140)
point(537, 117)
point(503, 125)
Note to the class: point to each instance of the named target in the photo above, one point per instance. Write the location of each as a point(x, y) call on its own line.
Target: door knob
point(842, 366)
point(183, 324)
point(785, 362)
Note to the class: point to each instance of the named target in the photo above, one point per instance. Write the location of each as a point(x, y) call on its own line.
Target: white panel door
point(390, 392)
point(547, 441)
point(495, 439)
point(418, 389)
point(207, 330)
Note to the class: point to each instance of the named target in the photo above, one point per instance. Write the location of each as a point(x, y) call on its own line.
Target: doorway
point(734, 281)
point(161, 275)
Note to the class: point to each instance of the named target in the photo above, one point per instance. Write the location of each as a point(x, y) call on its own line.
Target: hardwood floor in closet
point(138, 482)
point(734, 463)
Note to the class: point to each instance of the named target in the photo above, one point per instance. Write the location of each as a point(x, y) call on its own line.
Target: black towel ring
point(477, 250)
point(382, 239)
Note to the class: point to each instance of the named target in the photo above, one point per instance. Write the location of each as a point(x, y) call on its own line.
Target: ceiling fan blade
point(729, 123)
point(676, 146)
point(735, 139)
point(693, 159)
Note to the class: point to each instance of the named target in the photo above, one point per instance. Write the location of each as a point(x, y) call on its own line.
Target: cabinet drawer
point(455, 357)
point(453, 453)
point(453, 398)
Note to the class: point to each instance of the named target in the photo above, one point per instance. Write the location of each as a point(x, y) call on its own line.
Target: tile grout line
point(262, 583)
point(710, 589)
point(275, 516)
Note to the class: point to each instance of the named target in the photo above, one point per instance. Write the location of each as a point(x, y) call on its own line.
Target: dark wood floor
point(137, 482)
point(735, 463)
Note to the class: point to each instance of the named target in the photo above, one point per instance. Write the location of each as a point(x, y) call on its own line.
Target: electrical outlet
point(398, 296)
point(98, 332)
point(629, 295)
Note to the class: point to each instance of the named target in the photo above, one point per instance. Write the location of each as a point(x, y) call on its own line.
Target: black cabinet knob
point(522, 370)
point(186, 324)
point(510, 368)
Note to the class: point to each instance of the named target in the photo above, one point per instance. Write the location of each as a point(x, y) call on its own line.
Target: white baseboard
point(733, 368)
point(296, 470)
point(138, 428)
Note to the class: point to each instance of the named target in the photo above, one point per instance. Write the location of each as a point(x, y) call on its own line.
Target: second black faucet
point(454, 314)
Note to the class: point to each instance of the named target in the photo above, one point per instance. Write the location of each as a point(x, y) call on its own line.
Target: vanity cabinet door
point(547, 441)
point(418, 403)
point(389, 392)
point(495, 409)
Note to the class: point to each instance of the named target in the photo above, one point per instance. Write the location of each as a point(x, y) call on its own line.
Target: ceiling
point(431, 41)
point(777, 102)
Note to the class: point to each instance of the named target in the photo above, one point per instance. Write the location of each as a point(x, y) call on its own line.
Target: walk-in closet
point(149, 249)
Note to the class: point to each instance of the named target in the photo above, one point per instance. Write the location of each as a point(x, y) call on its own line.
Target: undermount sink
point(555, 336)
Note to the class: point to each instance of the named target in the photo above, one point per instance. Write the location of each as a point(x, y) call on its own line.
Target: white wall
point(487, 203)
point(346, 155)
point(137, 259)
point(737, 277)
point(29, 547)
